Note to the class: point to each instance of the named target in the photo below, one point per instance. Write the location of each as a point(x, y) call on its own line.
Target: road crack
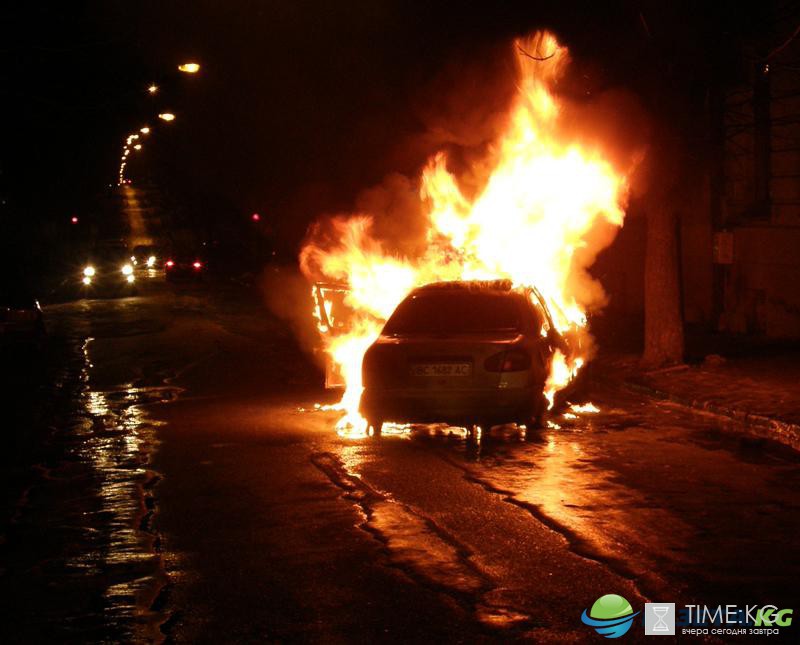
point(421, 549)
point(577, 544)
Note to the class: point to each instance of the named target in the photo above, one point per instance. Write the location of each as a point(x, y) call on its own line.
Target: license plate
point(441, 369)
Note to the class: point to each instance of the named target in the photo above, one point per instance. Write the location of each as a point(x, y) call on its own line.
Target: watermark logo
point(611, 616)
point(770, 615)
point(659, 618)
point(733, 620)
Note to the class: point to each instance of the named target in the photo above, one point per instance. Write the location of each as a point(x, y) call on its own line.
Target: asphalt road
point(188, 490)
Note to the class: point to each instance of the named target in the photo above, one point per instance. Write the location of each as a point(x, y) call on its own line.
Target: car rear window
point(454, 313)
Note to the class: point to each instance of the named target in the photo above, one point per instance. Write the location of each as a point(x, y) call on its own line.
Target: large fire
point(535, 221)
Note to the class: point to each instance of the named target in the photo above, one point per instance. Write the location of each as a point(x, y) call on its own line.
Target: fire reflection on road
point(562, 476)
point(99, 496)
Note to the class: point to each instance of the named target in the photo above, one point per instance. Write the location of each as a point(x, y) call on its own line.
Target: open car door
point(332, 315)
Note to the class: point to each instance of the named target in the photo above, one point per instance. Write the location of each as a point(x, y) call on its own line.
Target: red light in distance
point(73, 219)
point(169, 263)
point(197, 264)
point(255, 217)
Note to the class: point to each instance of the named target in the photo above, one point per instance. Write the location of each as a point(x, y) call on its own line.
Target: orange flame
point(539, 203)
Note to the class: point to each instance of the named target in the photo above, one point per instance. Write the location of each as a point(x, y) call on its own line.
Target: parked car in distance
point(146, 257)
point(184, 264)
point(108, 270)
point(464, 353)
point(21, 318)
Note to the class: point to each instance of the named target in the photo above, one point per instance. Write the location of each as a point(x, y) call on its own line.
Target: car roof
point(455, 286)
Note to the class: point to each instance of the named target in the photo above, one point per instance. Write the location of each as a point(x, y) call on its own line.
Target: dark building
point(757, 227)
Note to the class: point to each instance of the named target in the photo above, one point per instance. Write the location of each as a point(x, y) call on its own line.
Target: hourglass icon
point(660, 612)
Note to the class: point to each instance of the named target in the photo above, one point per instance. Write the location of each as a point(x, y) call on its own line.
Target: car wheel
point(376, 425)
point(478, 428)
point(536, 419)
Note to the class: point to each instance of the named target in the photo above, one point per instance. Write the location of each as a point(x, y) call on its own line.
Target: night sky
point(301, 105)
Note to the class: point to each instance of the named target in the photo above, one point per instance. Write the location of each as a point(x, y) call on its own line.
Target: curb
point(759, 425)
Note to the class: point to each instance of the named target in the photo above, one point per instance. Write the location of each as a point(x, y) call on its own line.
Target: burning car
point(536, 211)
point(465, 353)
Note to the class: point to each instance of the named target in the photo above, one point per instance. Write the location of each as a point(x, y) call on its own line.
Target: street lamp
point(153, 88)
point(144, 130)
point(189, 68)
point(166, 116)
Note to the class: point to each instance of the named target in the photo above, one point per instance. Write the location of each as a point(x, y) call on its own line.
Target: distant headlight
point(86, 280)
point(88, 271)
point(151, 261)
point(130, 278)
point(127, 269)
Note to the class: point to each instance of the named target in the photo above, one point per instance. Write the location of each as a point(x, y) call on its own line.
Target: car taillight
point(197, 265)
point(169, 264)
point(512, 360)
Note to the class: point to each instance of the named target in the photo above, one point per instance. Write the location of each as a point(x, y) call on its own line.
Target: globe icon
point(610, 606)
point(611, 616)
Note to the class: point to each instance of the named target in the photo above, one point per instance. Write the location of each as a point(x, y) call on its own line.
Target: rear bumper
point(450, 406)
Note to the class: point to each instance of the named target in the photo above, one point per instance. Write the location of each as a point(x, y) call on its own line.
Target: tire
point(472, 430)
point(536, 419)
point(376, 425)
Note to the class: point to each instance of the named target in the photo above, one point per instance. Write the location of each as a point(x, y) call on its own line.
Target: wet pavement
point(78, 545)
point(761, 390)
point(176, 491)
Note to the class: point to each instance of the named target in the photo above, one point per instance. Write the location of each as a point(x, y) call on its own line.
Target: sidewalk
point(761, 391)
